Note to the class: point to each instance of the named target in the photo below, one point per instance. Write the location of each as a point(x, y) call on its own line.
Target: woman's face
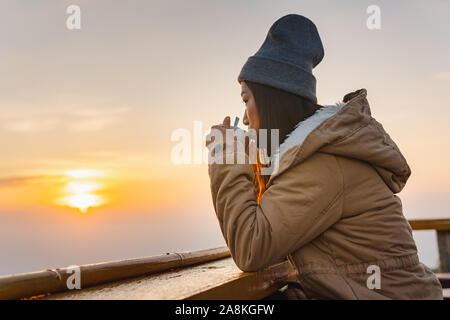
point(251, 117)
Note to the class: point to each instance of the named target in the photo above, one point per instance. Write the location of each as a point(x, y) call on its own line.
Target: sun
point(78, 187)
point(83, 201)
point(82, 189)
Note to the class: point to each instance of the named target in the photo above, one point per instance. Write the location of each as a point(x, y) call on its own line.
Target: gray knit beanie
point(286, 58)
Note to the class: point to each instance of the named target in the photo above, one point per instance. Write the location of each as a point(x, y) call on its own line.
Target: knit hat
point(286, 58)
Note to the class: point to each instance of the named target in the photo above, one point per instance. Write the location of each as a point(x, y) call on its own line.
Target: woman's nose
point(245, 119)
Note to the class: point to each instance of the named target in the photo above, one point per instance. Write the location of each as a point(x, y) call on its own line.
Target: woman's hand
point(234, 137)
point(220, 127)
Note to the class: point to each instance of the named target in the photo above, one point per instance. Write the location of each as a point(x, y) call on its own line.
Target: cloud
point(25, 180)
point(13, 181)
point(90, 119)
point(17, 181)
point(442, 76)
point(91, 124)
point(75, 119)
point(30, 126)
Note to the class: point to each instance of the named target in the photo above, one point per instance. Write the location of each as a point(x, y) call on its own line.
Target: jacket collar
point(305, 127)
point(301, 132)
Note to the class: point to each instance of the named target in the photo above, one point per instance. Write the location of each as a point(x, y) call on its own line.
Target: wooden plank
point(50, 281)
point(219, 279)
point(251, 286)
point(430, 224)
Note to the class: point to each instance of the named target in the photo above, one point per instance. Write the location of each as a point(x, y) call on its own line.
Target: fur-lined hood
point(345, 129)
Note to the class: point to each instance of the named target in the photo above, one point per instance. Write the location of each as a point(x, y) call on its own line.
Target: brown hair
point(277, 109)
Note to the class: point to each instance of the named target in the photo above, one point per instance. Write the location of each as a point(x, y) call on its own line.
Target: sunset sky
point(87, 115)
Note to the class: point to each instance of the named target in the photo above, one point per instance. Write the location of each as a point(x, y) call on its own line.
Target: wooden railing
point(442, 227)
point(201, 274)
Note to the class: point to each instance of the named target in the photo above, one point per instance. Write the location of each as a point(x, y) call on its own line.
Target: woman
point(329, 207)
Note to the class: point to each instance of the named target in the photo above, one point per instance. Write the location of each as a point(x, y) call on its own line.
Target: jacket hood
point(348, 130)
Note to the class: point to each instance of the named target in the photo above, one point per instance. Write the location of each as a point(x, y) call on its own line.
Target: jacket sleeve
point(301, 203)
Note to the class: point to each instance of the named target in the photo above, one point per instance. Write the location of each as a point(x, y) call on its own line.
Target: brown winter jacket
point(330, 208)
